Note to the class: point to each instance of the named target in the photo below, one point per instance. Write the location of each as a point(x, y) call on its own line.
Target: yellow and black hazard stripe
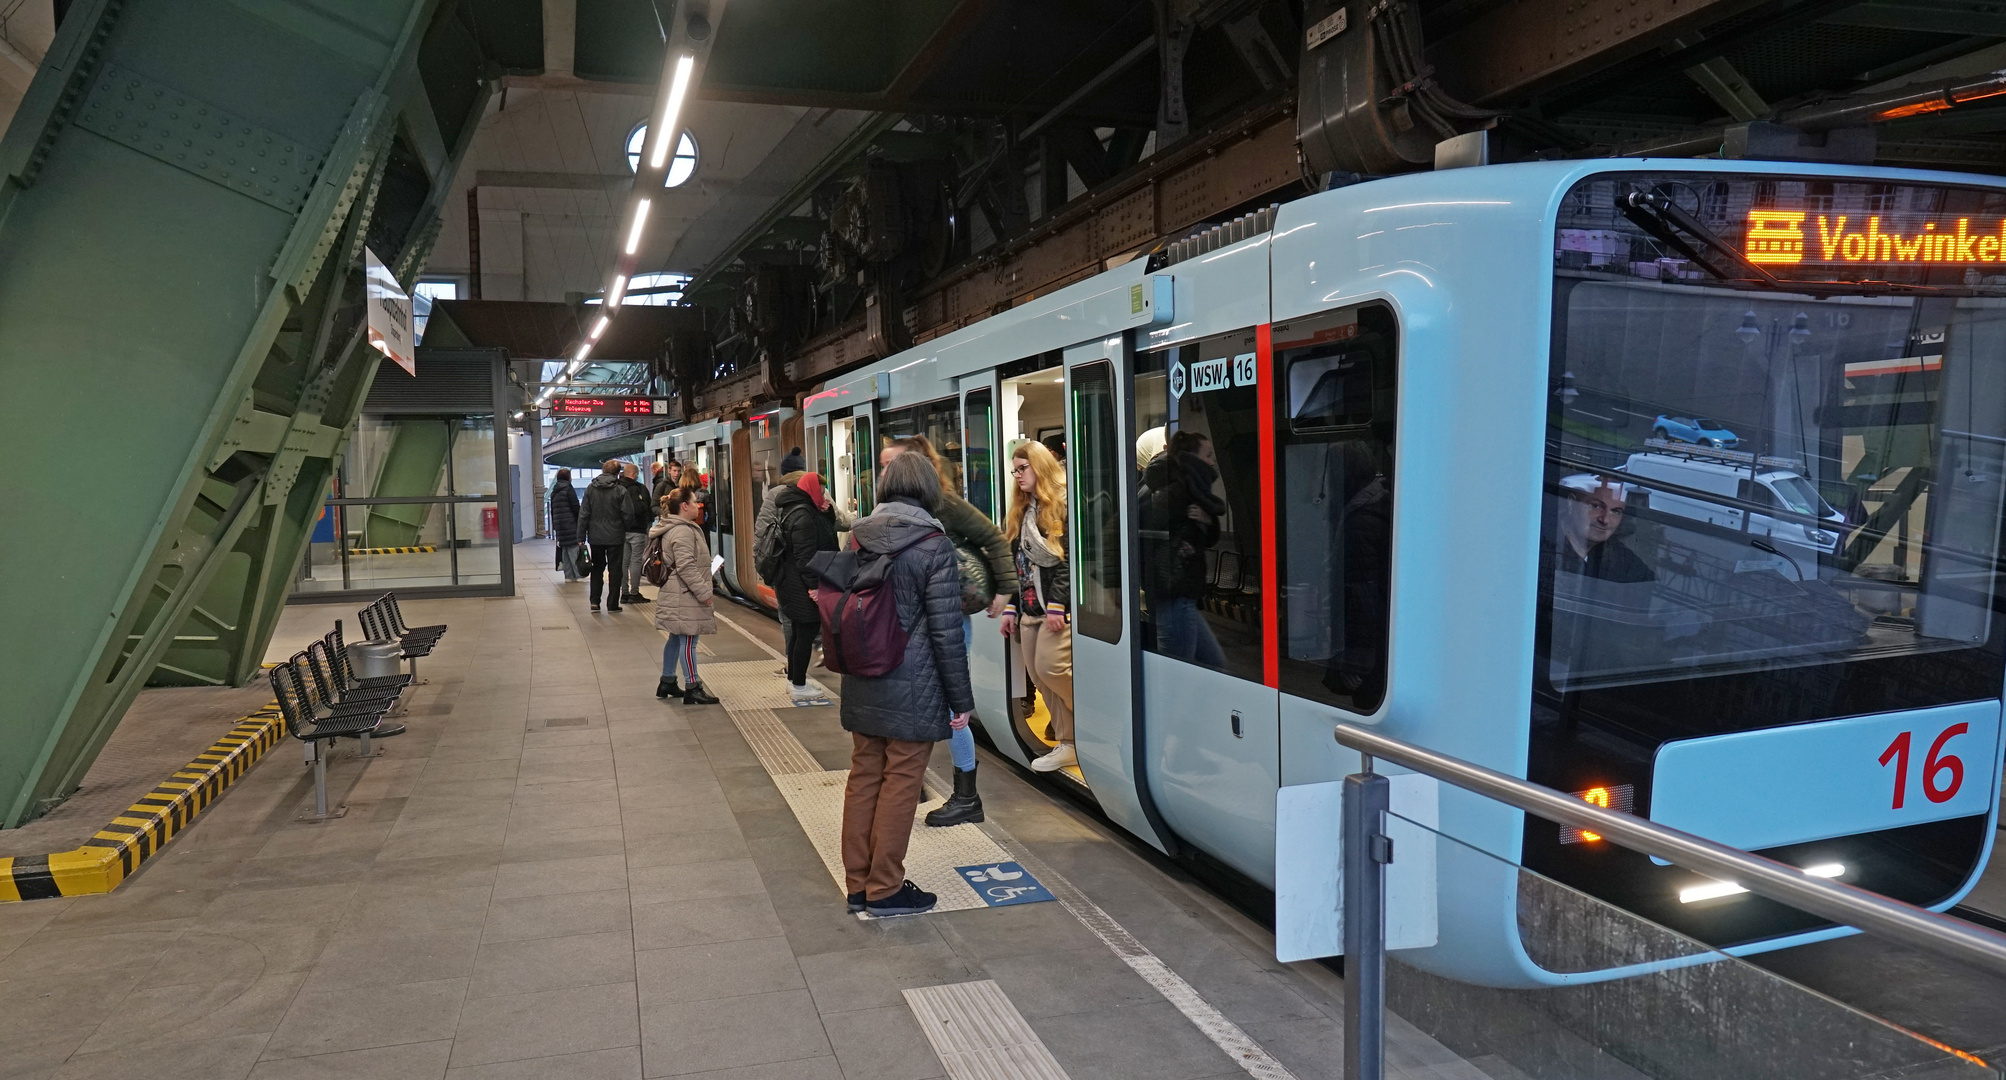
point(424, 549)
point(144, 827)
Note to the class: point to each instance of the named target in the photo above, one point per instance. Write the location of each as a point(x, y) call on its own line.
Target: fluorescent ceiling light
point(1714, 890)
point(666, 129)
point(584, 350)
point(640, 219)
point(600, 327)
point(618, 291)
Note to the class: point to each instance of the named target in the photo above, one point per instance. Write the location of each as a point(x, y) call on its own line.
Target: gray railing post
point(1367, 850)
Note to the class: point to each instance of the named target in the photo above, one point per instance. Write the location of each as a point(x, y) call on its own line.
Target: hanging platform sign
point(390, 326)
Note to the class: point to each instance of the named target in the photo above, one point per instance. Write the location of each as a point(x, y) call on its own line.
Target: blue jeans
point(680, 652)
point(961, 743)
point(1182, 632)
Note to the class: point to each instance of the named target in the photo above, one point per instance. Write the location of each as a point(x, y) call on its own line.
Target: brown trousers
point(878, 805)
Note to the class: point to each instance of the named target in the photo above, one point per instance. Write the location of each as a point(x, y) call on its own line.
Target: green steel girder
point(185, 194)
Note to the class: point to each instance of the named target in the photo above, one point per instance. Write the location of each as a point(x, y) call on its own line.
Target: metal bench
point(377, 626)
point(315, 723)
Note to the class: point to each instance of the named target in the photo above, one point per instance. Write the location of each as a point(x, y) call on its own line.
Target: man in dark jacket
point(564, 524)
point(807, 526)
point(894, 719)
point(640, 515)
point(1180, 522)
point(603, 513)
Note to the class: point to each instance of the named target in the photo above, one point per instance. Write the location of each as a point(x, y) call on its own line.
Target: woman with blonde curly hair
point(1040, 619)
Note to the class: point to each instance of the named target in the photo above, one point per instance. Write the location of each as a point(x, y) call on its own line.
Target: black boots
point(697, 695)
point(668, 687)
point(962, 807)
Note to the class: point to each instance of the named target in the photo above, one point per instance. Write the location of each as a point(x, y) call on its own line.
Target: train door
point(1030, 407)
point(1203, 521)
point(997, 680)
point(723, 512)
point(852, 450)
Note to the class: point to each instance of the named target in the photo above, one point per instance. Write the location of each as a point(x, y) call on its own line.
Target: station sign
point(579, 405)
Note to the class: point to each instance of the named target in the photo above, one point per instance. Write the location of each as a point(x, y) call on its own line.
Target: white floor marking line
point(979, 1035)
point(1224, 1033)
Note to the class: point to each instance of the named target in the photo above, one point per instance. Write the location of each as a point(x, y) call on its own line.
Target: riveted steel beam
point(225, 172)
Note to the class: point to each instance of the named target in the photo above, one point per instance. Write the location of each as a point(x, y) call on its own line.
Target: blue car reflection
point(1694, 429)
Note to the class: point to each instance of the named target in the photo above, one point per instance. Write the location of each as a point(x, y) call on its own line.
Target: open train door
point(998, 679)
point(1107, 657)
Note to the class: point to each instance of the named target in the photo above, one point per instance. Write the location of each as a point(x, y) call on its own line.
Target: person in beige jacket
point(683, 607)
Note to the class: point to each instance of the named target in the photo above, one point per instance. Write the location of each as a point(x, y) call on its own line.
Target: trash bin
point(374, 659)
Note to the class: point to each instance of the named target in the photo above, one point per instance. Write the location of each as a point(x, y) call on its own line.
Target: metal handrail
point(1841, 903)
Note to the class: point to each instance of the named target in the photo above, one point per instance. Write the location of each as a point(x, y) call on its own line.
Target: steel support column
point(222, 173)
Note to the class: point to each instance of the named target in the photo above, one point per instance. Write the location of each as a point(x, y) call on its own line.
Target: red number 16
point(1933, 765)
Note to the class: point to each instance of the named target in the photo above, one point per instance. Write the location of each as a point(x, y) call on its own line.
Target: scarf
point(812, 484)
point(1038, 549)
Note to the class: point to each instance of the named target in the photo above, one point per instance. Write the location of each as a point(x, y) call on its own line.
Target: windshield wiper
point(1665, 221)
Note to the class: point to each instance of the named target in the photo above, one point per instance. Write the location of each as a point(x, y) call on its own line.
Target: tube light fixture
point(640, 219)
point(1714, 890)
point(617, 292)
point(666, 129)
point(600, 327)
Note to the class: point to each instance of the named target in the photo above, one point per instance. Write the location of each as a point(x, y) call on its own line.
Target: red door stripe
point(1271, 641)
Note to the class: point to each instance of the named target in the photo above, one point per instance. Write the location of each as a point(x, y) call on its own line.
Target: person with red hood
point(807, 526)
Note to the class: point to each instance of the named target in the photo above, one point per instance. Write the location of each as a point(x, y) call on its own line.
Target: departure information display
point(608, 406)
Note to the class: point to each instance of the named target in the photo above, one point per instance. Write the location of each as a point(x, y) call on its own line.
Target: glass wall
point(414, 504)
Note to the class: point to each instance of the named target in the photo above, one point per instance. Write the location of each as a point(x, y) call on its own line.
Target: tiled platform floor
point(553, 874)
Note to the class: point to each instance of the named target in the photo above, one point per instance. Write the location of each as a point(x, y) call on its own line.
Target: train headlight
point(1714, 890)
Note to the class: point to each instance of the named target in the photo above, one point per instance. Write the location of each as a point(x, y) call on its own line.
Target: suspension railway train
point(1446, 513)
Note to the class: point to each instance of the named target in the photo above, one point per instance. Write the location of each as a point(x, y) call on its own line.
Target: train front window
point(1765, 505)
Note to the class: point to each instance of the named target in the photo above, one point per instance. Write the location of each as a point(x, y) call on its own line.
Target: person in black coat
point(807, 526)
point(564, 524)
point(603, 513)
point(1180, 522)
point(895, 719)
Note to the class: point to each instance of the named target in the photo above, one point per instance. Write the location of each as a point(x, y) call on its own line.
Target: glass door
point(997, 679)
point(1101, 490)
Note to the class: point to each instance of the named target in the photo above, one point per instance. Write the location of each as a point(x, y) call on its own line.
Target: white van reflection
point(1798, 541)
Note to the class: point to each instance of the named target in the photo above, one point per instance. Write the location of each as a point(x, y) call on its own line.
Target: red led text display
point(608, 406)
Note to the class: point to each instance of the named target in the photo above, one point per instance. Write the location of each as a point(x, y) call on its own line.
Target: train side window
point(720, 496)
point(1099, 472)
point(1199, 513)
point(939, 421)
point(975, 463)
point(1334, 503)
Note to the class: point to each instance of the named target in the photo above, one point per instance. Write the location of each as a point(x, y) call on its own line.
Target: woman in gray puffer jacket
point(895, 719)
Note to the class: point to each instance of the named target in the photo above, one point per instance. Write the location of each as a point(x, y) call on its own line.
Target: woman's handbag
point(977, 586)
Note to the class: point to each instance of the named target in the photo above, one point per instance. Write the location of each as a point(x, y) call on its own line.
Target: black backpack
point(769, 544)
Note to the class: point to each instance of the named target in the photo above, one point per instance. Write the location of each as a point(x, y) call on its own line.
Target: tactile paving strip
point(750, 694)
point(817, 802)
point(774, 745)
point(980, 1035)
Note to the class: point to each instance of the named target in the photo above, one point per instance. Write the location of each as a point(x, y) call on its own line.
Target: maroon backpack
point(861, 634)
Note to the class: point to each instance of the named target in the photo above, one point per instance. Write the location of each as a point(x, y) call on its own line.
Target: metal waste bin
point(374, 659)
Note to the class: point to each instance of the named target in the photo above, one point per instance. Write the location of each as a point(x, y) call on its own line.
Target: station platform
point(555, 874)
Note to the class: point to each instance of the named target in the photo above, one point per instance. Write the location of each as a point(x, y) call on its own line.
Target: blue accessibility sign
point(1004, 883)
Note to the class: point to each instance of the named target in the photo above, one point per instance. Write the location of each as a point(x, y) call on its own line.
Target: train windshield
point(1774, 465)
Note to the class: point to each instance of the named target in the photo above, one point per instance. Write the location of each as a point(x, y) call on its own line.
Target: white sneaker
point(1060, 757)
point(807, 695)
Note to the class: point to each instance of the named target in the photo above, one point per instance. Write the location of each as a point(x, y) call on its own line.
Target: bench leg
point(415, 680)
point(319, 781)
point(363, 751)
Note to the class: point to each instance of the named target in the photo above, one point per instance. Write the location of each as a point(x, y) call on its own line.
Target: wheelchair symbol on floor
point(1003, 883)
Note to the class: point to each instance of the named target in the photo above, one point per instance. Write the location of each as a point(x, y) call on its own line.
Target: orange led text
point(1784, 237)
